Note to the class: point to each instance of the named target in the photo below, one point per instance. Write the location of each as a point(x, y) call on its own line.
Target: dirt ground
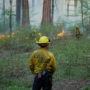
point(71, 85)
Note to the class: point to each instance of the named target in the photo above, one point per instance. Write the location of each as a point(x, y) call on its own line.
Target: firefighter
point(77, 32)
point(43, 65)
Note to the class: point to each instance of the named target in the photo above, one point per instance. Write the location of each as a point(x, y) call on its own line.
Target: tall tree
point(68, 7)
point(18, 12)
point(85, 14)
point(10, 17)
point(4, 12)
point(75, 7)
point(25, 13)
point(52, 10)
point(82, 13)
point(47, 18)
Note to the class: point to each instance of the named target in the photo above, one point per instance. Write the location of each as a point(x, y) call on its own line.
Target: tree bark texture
point(18, 12)
point(25, 13)
point(4, 13)
point(82, 13)
point(52, 10)
point(47, 18)
point(10, 17)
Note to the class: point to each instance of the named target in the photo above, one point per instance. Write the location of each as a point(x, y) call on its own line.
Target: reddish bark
point(46, 18)
point(25, 13)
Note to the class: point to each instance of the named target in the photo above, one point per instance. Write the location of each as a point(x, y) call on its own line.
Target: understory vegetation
point(72, 59)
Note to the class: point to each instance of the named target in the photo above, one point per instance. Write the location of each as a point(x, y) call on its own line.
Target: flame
point(39, 34)
point(61, 34)
point(7, 36)
point(2, 36)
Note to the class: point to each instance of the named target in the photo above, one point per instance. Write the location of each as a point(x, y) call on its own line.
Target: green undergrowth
point(16, 88)
point(86, 88)
point(72, 61)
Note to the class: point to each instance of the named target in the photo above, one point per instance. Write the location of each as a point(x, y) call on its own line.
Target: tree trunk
point(25, 13)
point(4, 13)
point(75, 7)
point(10, 17)
point(82, 13)
point(88, 13)
point(68, 9)
point(46, 18)
point(52, 10)
point(18, 12)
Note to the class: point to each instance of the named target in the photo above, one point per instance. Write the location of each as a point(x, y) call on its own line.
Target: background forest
point(31, 12)
point(23, 22)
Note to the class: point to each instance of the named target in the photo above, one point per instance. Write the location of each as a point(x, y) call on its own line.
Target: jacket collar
point(43, 49)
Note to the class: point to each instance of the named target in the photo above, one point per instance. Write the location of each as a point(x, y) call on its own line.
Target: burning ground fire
point(62, 35)
point(7, 36)
point(59, 35)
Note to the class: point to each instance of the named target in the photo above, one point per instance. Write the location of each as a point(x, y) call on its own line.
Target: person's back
point(77, 32)
point(42, 59)
point(43, 65)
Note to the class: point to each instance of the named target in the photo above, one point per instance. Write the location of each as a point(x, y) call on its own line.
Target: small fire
point(7, 36)
point(39, 34)
point(61, 34)
point(2, 36)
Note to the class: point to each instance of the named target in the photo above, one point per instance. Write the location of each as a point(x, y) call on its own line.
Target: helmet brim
point(42, 43)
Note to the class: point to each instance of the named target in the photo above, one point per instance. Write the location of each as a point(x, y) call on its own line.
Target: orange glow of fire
point(2, 36)
point(39, 34)
point(7, 36)
point(61, 34)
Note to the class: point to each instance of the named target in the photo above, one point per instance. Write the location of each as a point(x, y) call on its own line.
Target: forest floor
point(69, 85)
point(15, 73)
point(72, 85)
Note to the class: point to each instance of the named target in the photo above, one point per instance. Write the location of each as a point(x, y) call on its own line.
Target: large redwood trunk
point(46, 18)
point(25, 13)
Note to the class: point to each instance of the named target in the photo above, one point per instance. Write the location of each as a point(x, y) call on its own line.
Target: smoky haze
point(60, 11)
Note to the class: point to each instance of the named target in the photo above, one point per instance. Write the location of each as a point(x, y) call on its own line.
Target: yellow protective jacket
point(42, 59)
point(77, 31)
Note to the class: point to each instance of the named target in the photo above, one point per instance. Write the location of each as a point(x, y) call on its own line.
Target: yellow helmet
point(43, 40)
